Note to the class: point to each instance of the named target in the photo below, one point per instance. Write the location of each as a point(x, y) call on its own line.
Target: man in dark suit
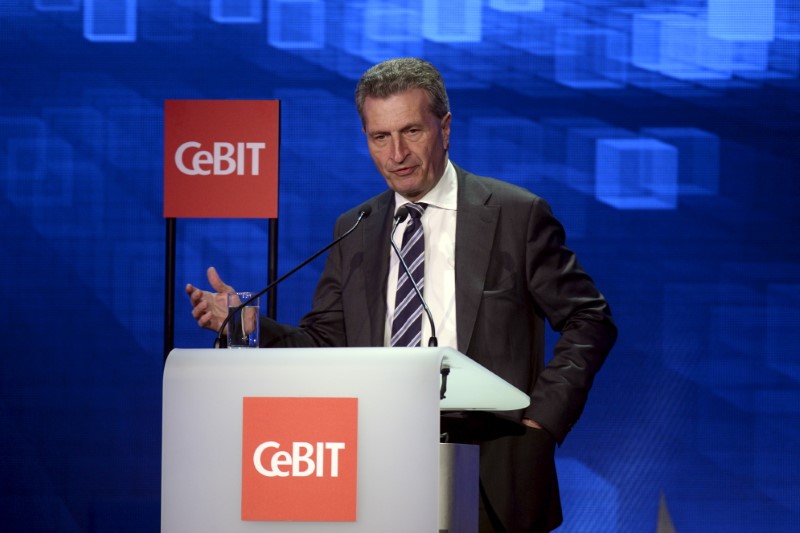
point(495, 266)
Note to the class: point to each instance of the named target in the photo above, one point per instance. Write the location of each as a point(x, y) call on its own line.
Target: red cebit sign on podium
point(221, 158)
point(299, 459)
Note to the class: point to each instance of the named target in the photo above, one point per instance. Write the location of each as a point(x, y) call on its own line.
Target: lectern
point(225, 420)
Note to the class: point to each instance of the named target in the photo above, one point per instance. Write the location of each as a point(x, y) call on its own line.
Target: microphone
point(399, 218)
point(220, 342)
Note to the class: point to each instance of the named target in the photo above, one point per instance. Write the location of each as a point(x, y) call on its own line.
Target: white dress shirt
point(439, 230)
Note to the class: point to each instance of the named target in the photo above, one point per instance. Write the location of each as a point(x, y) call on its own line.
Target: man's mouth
point(404, 171)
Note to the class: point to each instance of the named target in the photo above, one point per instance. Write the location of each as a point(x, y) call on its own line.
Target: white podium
point(398, 398)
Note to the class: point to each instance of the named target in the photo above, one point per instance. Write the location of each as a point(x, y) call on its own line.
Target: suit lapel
point(376, 263)
point(475, 230)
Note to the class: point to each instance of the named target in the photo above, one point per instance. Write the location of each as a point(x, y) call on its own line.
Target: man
point(494, 267)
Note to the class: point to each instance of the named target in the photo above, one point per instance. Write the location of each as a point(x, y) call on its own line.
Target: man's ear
point(446, 120)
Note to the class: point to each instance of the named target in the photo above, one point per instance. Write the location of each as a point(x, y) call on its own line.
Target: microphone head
point(365, 211)
point(401, 214)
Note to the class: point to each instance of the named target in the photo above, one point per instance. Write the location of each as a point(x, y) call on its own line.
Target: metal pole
point(169, 290)
point(272, 269)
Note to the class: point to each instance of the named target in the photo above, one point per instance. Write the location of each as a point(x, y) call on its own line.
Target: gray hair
point(399, 75)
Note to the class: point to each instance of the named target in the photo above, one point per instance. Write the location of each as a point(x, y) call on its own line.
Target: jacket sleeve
point(324, 325)
point(574, 308)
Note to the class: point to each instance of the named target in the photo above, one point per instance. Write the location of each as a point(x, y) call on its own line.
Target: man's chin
point(412, 195)
point(405, 188)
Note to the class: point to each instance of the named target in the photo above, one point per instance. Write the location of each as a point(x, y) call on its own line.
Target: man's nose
point(399, 149)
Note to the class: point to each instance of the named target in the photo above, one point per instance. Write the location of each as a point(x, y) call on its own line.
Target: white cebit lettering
point(223, 159)
point(305, 459)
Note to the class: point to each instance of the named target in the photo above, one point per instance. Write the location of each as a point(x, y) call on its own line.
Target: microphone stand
point(221, 341)
point(433, 342)
point(401, 215)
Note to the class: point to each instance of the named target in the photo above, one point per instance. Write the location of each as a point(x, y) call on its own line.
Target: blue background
point(664, 134)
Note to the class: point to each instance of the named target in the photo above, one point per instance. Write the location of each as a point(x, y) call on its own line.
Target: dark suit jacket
point(512, 271)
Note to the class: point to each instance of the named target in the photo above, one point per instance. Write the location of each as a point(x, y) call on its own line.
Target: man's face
point(406, 141)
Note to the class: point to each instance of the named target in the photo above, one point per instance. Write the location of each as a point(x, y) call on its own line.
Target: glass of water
point(243, 322)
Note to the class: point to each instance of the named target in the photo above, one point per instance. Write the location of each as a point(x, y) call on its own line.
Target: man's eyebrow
point(406, 127)
point(416, 125)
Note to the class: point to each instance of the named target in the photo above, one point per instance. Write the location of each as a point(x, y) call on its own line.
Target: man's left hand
point(531, 423)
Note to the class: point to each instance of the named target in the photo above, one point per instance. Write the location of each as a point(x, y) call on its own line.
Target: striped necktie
point(407, 322)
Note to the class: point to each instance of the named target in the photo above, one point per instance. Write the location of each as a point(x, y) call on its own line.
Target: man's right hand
point(210, 308)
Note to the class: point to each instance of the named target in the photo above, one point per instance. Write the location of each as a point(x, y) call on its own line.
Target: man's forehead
point(407, 106)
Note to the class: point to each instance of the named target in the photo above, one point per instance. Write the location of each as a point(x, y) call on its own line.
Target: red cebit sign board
point(221, 158)
point(299, 459)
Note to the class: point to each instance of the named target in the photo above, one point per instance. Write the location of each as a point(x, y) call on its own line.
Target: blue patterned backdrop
point(665, 133)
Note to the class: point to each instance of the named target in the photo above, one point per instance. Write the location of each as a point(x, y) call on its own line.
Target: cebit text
point(222, 160)
point(304, 459)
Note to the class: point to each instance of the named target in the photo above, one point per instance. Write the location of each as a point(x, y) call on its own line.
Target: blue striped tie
point(407, 322)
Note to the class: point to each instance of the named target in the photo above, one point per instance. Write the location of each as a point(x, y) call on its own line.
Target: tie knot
point(416, 210)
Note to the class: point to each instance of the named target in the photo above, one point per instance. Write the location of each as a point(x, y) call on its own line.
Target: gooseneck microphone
point(399, 218)
point(220, 342)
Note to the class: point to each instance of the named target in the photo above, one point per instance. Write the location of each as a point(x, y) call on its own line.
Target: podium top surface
point(470, 386)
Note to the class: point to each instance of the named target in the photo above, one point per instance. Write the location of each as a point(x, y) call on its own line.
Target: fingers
point(195, 295)
point(205, 316)
point(216, 281)
point(199, 308)
point(205, 321)
point(209, 308)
